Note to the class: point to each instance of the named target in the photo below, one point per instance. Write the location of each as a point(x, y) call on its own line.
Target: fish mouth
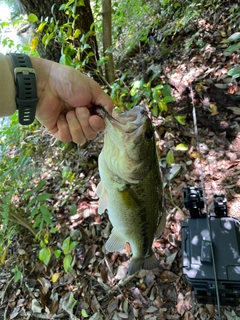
point(101, 112)
point(128, 121)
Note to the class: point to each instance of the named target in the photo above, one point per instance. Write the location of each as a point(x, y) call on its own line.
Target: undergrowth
point(34, 172)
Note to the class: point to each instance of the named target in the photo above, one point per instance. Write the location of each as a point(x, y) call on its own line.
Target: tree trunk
point(107, 38)
point(44, 8)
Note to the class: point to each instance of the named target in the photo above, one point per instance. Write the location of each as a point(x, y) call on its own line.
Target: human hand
point(66, 97)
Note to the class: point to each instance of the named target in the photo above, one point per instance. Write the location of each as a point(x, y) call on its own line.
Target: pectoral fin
point(115, 242)
point(103, 198)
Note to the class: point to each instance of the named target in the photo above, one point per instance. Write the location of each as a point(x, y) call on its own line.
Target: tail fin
point(147, 263)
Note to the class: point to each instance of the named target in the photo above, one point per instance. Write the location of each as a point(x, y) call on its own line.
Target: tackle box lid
point(196, 249)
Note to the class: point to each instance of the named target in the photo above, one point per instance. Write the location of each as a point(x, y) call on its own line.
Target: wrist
point(8, 91)
point(10, 65)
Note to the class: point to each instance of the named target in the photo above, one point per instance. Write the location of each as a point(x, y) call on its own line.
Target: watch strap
point(26, 90)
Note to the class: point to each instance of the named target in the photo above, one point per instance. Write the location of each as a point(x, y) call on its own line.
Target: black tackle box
point(197, 259)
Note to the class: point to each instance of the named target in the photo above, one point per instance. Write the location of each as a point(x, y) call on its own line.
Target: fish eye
point(149, 134)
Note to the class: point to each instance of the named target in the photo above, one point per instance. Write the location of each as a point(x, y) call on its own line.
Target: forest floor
point(97, 287)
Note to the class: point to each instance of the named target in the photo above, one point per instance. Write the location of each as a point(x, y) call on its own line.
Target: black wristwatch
point(25, 80)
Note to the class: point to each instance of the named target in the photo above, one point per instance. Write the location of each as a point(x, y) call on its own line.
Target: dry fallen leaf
point(3, 256)
point(21, 252)
point(213, 108)
point(168, 276)
point(235, 110)
point(56, 276)
point(171, 258)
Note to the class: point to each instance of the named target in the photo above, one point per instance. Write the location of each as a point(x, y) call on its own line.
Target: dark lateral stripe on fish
point(144, 228)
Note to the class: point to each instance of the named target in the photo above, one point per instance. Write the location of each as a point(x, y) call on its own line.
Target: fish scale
point(131, 186)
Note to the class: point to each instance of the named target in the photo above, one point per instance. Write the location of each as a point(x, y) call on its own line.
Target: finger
point(75, 127)
point(83, 116)
point(96, 123)
point(63, 132)
point(99, 97)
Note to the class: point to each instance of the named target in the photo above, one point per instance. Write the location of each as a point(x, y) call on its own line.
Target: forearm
point(7, 83)
point(7, 87)
point(65, 97)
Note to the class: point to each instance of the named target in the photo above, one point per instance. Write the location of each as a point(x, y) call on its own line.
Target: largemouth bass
point(131, 185)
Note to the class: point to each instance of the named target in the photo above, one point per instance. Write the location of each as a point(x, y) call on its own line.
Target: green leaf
point(67, 260)
point(46, 214)
point(34, 212)
point(147, 92)
point(17, 274)
point(48, 39)
point(62, 7)
point(44, 39)
point(73, 209)
point(66, 60)
point(182, 147)
point(157, 95)
point(77, 33)
point(168, 118)
point(37, 221)
point(57, 253)
point(42, 244)
point(163, 106)
point(158, 87)
point(66, 245)
point(4, 24)
point(32, 18)
point(84, 313)
point(168, 99)
point(181, 119)
point(234, 71)
point(234, 37)
point(155, 110)
point(233, 48)
point(170, 157)
point(154, 76)
point(80, 3)
point(52, 8)
point(41, 27)
point(40, 185)
point(44, 196)
point(86, 46)
point(54, 230)
point(44, 255)
point(66, 5)
point(72, 245)
point(166, 91)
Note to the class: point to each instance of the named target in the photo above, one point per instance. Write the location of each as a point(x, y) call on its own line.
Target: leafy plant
point(66, 249)
point(17, 274)
point(74, 45)
point(234, 41)
point(45, 253)
point(157, 97)
point(17, 43)
point(125, 23)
